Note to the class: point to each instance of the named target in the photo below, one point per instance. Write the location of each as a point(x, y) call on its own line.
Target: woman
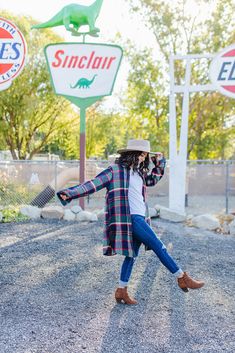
point(126, 217)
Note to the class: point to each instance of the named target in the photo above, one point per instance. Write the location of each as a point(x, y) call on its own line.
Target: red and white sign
point(12, 52)
point(222, 71)
point(83, 70)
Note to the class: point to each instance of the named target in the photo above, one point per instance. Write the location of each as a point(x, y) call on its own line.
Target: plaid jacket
point(118, 227)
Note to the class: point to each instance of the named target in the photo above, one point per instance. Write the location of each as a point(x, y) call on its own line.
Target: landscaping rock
point(232, 227)
point(32, 212)
point(69, 215)
point(225, 228)
point(206, 221)
point(52, 212)
point(153, 212)
point(100, 212)
point(76, 209)
point(173, 216)
point(86, 216)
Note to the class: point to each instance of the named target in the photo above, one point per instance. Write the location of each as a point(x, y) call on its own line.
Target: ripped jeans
point(143, 233)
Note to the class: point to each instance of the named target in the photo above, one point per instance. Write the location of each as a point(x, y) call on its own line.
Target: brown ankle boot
point(186, 282)
point(122, 296)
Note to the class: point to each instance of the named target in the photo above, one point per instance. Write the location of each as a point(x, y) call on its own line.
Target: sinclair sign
point(222, 71)
point(83, 70)
point(12, 53)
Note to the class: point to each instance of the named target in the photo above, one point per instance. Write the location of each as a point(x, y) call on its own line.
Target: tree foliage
point(33, 119)
point(30, 112)
point(178, 29)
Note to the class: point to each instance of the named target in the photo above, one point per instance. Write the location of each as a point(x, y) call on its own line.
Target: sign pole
point(82, 72)
point(178, 144)
point(82, 168)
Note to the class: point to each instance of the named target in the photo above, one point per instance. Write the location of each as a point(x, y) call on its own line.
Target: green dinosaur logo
point(74, 16)
point(83, 82)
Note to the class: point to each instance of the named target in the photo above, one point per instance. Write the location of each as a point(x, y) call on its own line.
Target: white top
point(135, 197)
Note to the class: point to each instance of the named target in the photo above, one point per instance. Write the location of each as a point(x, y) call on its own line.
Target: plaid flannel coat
point(118, 227)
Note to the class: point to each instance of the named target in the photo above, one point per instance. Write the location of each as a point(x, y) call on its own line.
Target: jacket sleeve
point(89, 187)
point(156, 173)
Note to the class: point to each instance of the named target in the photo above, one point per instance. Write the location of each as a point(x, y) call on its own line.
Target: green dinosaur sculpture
point(74, 16)
point(84, 82)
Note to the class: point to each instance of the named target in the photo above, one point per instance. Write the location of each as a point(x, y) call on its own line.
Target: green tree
point(30, 112)
point(178, 29)
point(146, 101)
point(105, 132)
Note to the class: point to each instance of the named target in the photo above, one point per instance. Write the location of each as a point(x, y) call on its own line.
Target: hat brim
point(132, 150)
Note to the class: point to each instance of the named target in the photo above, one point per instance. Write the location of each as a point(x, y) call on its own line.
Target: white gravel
point(57, 292)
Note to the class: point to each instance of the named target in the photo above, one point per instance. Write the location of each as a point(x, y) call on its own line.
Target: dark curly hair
point(130, 158)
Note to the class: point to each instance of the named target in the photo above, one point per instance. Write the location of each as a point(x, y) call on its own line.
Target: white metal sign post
point(222, 74)
point(178, 154)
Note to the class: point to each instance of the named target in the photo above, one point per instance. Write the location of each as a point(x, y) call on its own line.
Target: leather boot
point(186, 282)
point(122, 296)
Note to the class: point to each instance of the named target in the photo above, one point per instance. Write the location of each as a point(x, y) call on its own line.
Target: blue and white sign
point(12, 52)
point(222, 71)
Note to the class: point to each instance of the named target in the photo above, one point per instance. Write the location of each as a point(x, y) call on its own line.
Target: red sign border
point(218, 86)
point(25, 50)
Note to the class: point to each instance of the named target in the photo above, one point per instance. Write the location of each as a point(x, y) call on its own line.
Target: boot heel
point(122, 297)
point(186, 282)
point(185, 290)
point(118, 300)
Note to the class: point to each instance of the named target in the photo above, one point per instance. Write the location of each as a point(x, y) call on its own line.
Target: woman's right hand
point(64, 197)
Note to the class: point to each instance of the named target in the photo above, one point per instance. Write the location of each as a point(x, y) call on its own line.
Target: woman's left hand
point(157, 157)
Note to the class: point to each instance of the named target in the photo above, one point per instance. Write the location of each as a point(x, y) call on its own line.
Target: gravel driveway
point(57, 292)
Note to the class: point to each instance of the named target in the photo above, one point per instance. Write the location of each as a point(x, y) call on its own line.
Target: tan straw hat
point(137, 145)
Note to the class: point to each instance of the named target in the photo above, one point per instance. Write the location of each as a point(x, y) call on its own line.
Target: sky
point(114, 17)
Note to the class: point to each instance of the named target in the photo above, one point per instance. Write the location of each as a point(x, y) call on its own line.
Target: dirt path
point(57, 293)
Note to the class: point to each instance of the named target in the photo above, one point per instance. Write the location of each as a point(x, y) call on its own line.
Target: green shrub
point(12, 214)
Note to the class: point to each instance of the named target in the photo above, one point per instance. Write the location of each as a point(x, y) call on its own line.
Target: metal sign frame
point(83, 104)
point(178, 154)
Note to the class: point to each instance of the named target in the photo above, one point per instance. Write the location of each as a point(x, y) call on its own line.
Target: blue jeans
point(143, 233)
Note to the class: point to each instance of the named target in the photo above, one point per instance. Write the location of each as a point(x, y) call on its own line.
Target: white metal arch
point(178, 156)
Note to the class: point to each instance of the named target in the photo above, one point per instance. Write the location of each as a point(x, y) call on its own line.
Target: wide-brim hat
point(137, 145)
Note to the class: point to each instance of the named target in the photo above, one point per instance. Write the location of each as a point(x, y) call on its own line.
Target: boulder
point(86, 216)
point(170, 215)
point(153, 212)
point(206, 221)
point(76, 209)
point(69, 215)
point(99, 212)
point(225, 228)
point(52, 212)
point(32, 212)
point(232, 227)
